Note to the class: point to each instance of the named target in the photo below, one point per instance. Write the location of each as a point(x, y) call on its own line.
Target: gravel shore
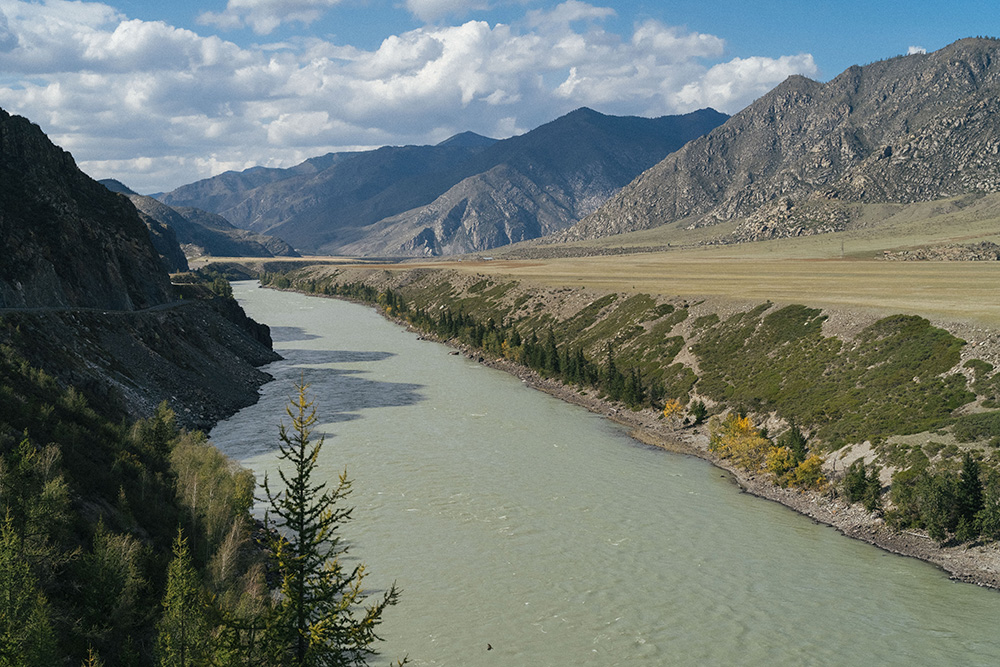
point(977, 563)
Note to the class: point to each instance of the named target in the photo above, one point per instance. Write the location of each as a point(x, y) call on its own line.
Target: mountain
point(535, 184)
point(797, 161)
point(87, 300)
point(199, 232)
point(468, 193)
point(308, 205)
point(67, 240)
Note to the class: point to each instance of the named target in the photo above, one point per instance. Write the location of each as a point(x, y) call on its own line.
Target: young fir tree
point(184, 636)
point(322, 617)
point(26, 635)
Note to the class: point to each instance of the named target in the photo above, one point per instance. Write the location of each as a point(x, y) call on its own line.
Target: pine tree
point(26, 636)
point(184, 631)
point(322, 615)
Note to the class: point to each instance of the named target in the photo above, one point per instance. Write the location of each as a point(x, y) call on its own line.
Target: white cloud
point(741, 80)
point(913, 50)
point(263, 16)
point(8, 40)
point(157, 106)
point(563, 15)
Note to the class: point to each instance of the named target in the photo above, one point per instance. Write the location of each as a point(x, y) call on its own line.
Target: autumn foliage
point(737, 439)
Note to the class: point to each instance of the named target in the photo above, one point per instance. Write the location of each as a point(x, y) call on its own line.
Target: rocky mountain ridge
point(469, 193)
point(68, 241)
point(909, 129)
point(85, 298)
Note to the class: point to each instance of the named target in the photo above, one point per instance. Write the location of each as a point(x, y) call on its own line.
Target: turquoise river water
point(513, 520)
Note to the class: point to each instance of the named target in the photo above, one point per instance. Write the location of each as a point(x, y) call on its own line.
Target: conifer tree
point(184, 630)
point(322, 615)
point(26, 636)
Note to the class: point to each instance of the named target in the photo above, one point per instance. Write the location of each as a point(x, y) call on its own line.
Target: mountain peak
point(898, 131)
point(468, 140)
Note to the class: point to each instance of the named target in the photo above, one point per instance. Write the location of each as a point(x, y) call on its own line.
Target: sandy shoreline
point(977, 564)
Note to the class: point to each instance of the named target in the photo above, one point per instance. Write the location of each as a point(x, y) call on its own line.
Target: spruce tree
point(184, 630)
point(322, 616)
point(26, 635)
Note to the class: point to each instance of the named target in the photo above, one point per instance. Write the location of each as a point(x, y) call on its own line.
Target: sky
point(161, 93)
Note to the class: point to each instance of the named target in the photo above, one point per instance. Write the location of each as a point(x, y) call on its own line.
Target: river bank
point(973, 562)
point(976, 564)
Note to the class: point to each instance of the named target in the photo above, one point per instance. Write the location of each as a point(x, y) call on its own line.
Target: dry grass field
point(841, 270)
point(948, 291)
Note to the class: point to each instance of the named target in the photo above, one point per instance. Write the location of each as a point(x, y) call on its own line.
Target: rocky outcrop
point(85, 299)
point(67, 240)
point(909, 129)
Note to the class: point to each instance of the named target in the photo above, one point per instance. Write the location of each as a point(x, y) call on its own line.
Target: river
point(515, 521)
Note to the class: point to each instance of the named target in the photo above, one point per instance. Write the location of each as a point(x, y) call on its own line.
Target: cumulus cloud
point(742, 79)
point(157, 106)
point(263, 16)
point(913, 50)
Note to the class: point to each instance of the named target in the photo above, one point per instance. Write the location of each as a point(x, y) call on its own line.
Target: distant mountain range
point(197, 232)
point(798, 160)
point(469, 193)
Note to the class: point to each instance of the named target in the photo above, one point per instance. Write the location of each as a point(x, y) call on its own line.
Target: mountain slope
point(909, 129)
point(91, 304)
point(468, 193)
point(536, 184)
point(313, 202)
point(68, 240)
point(200, 232)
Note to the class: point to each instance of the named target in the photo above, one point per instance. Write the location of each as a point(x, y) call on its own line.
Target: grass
point(946, 291)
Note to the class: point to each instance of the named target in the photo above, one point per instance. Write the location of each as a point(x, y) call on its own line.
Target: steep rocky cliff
point(67, 240)
point(909, 129)
point(85, 298)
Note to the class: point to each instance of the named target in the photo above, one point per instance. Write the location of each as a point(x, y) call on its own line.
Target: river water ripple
point(515, 521)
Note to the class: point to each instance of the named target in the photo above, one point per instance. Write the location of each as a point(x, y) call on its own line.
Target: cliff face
point(84, 296)
point(68, 241)
point(913, 128)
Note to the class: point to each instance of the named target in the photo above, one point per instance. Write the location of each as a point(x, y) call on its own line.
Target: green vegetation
point(128, 544)
point(892, 379)
point(621, 347)
point(898, 376)
point(320, 618)
point(953, 506)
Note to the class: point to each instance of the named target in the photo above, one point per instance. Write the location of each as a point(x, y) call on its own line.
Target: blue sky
point(158, 94)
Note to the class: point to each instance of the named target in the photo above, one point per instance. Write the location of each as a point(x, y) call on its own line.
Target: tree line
point(539, 350)
point(759, 362)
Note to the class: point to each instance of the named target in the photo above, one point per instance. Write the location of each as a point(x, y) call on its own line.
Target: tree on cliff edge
point(322, 618)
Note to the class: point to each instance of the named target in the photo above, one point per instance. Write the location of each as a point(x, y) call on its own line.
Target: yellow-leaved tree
point(736, 438)
point(672, 409)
